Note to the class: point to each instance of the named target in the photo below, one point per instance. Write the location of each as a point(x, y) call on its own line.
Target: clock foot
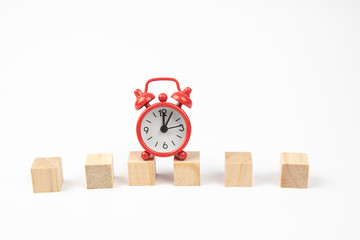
point(182, 155)
point(145, 155)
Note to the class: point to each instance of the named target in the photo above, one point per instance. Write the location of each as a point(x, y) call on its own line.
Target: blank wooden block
point(99, 171)
point(187, 172)
point(141, 172)
point(294, 170)
point(47, 175)
point(238, 169)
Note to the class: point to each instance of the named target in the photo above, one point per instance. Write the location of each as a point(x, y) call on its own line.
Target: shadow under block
point(47, 175)
point(294, 170)
point(141, 172)
point(187, 172)
point(99, 170)
point(238, 169)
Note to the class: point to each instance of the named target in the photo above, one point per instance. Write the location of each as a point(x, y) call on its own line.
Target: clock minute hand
point(168, 119)
point(163, 118)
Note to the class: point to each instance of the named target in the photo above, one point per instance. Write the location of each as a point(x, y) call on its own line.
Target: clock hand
point(163, 119)
point(168, 119)
point(176, 126)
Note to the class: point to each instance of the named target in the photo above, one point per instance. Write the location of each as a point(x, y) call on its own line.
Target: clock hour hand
point(168, 119)
point(182, 126)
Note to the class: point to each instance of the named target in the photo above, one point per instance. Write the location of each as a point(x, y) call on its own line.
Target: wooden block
point(99, 170)
point(141, 172)
point(47, 175)
point(294, 170)
point(187, 172)
point(238, 169)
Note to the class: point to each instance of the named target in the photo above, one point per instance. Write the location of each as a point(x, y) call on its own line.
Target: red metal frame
point(162, 79)
point(163, 104)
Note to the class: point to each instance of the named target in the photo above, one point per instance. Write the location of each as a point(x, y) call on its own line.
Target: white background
point(267, 77)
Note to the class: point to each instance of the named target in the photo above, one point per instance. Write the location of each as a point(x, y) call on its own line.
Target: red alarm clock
point(163, 129)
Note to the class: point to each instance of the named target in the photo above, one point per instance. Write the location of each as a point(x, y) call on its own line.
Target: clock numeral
point(165, 146)
point(182, 128)
point(162, 111)
point(146, 129)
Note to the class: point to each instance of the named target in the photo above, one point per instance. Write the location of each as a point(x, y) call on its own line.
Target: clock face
point(163, 129)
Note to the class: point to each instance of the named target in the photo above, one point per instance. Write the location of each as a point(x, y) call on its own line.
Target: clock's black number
point(165, 146)
point(182, 128)
point(146, 129)
point(162, 111)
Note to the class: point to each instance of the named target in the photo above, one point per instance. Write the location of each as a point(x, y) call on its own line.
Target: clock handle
point(162, 79)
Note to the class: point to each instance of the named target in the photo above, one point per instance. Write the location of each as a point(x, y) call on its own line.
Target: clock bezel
point(186, 120)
